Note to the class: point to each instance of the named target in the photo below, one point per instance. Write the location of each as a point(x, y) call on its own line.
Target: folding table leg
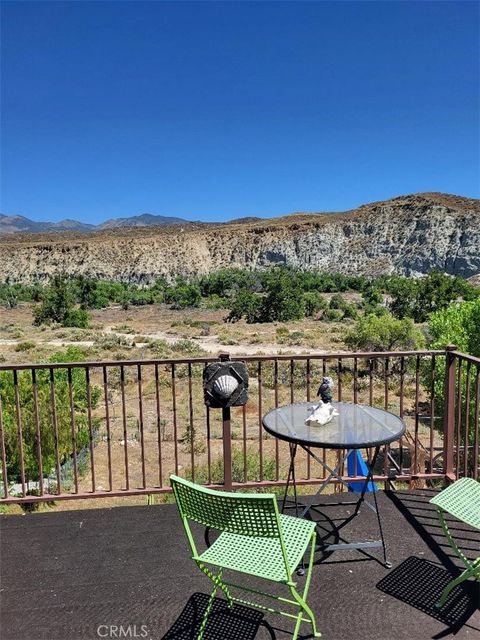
point(291, 477)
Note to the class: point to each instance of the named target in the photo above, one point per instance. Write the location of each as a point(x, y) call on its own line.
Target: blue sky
point(218, 110)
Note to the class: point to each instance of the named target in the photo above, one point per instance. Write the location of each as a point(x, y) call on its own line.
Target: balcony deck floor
point(96, 573)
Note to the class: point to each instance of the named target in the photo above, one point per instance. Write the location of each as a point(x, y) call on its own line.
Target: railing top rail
point(204, 359)
point(467, 357)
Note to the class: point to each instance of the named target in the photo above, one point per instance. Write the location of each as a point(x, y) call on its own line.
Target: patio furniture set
point(259, 540)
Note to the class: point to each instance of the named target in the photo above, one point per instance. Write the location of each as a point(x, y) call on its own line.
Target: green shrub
point(160, 348)
point(216, 302)
point(418, 298)
point(58, 305)
point(313, 303)
point(188, 348)
point(284, 336)
point(372, 296)
point(350, 311)
point(245, 304)
point(124, 328)
point(386, 333)
point(111, 341)
point(76, 318)
point(337, 301)
point(332, 314)
point(44, 407)
point(183, 295)
point(459, 325)
point(284, 300)
point(25, 346)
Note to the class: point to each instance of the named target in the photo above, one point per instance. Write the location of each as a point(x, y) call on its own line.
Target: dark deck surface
point(70, 575)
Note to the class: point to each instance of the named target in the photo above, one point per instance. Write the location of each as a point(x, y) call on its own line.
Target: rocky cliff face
point(408, 235)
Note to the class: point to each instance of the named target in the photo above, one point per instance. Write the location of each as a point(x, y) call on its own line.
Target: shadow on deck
point(126, 573)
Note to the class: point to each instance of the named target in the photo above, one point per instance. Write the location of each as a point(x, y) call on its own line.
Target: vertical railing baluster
point(417, 393)
point(449, 413)
point(209, 451)
point(174, 414)
point(38, 435)
point(244, 437)
point(324, 451)
point(355, 400)
point(308, 379)
point(386, 447)
point(340, 369)
point(308, 400)
point(124, 424)
point(141, 424)
point(432, 410)
point(386, 375)
point(476, 426)
point(3, 451)
point(159, 427)
point(402, 391)
point(192, 431)
point(370, 381)
point(90, 426)
point(292, 381)
point(55, 429)
point(402, 385)
point(107, 425)
point(73, 430)
point(467, 419)
point(340, 379)
point(277, 452)
point(260, 426)
point(355, 383)
point(458, 432)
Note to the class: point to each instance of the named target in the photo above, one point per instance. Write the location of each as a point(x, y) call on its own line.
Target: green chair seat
point(461, 500)
point(262, 557)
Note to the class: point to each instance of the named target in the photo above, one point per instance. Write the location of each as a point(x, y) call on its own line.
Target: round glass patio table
point(356, 427)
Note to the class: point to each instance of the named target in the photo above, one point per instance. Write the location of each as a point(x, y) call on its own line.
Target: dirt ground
point(139, 332)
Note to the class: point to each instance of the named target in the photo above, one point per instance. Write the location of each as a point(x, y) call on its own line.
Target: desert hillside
point(408, 235)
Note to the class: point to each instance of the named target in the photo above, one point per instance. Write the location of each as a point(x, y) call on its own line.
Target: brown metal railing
point(462, 409)
point(116, 428)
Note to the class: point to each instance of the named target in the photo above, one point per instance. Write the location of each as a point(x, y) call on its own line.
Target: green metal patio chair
point(461, 500)
point(255, 539)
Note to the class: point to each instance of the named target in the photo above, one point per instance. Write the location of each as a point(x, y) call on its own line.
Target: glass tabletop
point(357, 426)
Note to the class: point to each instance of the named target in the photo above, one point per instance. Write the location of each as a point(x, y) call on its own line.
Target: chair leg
point(472, 571)
point(451, 541)
point(302, 599)
point(216, 579)
point(207, 614)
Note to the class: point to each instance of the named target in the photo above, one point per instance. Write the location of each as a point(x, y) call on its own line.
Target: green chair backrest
point(240, 513)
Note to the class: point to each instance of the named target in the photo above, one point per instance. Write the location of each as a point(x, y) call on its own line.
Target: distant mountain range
point(20, 224)
point(409, 235)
